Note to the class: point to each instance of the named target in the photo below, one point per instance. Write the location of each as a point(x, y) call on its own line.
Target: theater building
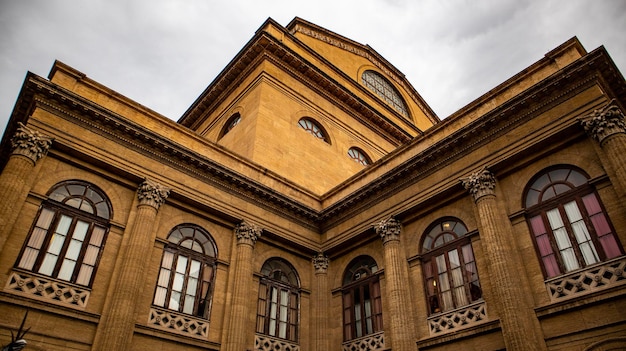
point(310, 200)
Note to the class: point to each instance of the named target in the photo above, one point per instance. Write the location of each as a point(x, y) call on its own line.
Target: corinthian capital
point(389, 230)
point(247, 233)
point(320, 262)
point(605, 122)
point(480, 184)
point(30, 143)
point(152, 193)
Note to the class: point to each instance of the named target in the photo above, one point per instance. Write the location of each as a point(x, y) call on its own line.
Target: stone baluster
point(238, 335)
point(117, 325)
point(401, 332)
point(18, 174)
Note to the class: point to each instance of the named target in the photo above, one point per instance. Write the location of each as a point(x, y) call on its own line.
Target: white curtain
point(562, 240)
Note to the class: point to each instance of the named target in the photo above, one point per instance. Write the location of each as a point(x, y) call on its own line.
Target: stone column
point(608, 127)
point(518, 322)
point(115, 330)
point(16, 178)
point(401, 332)
point(321, 305)
point(238, 333)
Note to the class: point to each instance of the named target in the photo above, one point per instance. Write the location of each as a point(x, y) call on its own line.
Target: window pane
point(159, 296)
point(67, 268)
point(91, 255)
point(164, 277)
point(179, 279)
point(562, 240)
point(84, 276)
point(73, 250)
point(580, 232)
point(28, 258)
point(47, 266)
point(96, 236)
point(194, 271)
point(610, 246)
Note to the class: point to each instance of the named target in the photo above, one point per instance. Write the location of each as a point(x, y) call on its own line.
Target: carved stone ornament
point(247, 233)
point(320, 262)
point(389, 229)
point(480, 184)
point(605, 122)
point(152, 193)
point(30, 143)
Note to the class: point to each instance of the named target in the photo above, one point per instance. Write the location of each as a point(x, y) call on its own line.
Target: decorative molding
point(463, 317)
point(605, 122)
point(370, 342)
point(360, 50)
point(178, 322)
point(247, 233)
point(480, 184)
point(389, 230)
point(48, 289)
point(320, 262)
point(588, 280)
point(30, 143)
point(152, 194)
point(268, 343)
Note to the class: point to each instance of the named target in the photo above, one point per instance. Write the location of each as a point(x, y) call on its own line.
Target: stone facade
point(246, 225)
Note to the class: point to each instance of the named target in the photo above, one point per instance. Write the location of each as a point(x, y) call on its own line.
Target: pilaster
point(397, 291)
point(17, 176)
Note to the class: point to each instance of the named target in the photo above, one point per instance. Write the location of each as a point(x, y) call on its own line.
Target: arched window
point(450, 272)
point(385, 90)
point(231, 123)
point(362, 307)
point(313, 128)
point(279, 300)
point(69, 233)
point(185, 280)
point(568, 222)
point(359, 156)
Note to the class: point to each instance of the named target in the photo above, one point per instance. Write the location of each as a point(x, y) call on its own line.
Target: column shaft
point(117, 326)
point(236, 337)
point(321, 307)
point(17, 176)
point(517, 319)
point(397, 291)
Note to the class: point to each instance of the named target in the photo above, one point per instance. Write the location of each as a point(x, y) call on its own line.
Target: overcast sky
point(163, 54)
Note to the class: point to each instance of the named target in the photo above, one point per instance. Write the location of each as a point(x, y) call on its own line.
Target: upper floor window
point(385, 90)
point(450, 272)
point(313, 128)
point(359, 156)
point(69, 233)
point(231, 123)
point(185, 280)
point(362, 307)
point(279, 300)
point(569, 225)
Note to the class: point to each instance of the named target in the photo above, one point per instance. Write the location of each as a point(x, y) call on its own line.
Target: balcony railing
point(268, 343)
point(465, 316)
point(369, 342)
point(588, 280)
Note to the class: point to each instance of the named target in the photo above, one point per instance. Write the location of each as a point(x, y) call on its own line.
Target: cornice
point(594, 68)
point(136, 137)
point(264, 46)
point(309, 29)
